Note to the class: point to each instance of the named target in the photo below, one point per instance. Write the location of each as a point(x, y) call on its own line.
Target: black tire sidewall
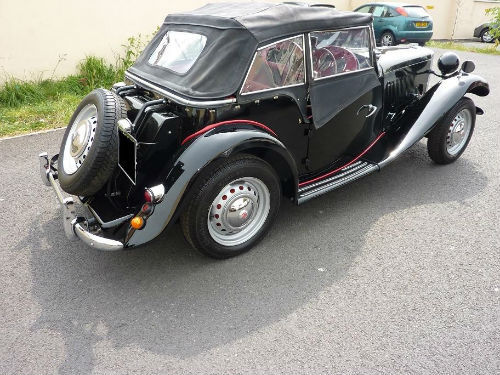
point(482, 36)
point(82, 181)
point(436, 142)
point(392, 36)
point(230, 171)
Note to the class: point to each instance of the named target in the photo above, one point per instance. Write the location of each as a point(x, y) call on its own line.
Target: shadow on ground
point(167, 299)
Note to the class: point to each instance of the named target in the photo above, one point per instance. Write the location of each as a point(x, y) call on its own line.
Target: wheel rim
point(487, 37)
point(387, 40)
point(459, 132)
point(239, 211)
point(80, 139)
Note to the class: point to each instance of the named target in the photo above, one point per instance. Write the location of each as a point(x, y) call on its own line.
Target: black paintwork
point(207, 148)
point(300, 151)
point(448, 63)
point(349, 130)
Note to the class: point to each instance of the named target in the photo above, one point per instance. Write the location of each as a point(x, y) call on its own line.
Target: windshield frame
point(370, 51)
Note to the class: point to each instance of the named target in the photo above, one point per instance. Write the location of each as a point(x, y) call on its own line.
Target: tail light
point(154, 194)
point(402, 11)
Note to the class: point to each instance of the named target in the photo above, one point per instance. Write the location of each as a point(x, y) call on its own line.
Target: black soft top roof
point(234, 31)
point(269, 21)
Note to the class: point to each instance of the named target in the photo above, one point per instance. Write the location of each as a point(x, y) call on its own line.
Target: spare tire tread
point(103, 156)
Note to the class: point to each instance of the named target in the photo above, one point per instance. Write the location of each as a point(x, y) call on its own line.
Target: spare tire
point(89, 149)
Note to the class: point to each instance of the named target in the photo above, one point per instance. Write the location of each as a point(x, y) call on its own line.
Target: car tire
point(387, 39)
point(89, 149)
point(234, 204)
point(449, 139)
point(486, 37)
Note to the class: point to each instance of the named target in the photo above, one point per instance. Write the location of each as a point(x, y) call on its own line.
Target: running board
point(344, 176)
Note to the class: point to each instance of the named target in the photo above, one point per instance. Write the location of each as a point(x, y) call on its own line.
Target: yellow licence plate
point(421, 24)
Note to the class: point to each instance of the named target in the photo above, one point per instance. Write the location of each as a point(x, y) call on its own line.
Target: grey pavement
point(477, 43)
point(398, 273)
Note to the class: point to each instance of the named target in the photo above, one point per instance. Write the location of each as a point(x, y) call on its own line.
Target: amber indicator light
point(137, 222)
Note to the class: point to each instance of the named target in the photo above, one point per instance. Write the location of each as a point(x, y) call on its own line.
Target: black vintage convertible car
point(233, 106)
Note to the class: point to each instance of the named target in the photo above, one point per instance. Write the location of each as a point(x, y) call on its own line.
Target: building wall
point(38, 36)
point(48, 38)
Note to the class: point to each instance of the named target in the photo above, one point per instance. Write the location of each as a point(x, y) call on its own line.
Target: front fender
point(421, 117)
point(201, 152)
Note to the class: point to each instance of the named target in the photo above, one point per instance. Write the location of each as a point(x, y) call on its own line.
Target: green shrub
point(495, 28)
point(92, 72)
point(15, 92)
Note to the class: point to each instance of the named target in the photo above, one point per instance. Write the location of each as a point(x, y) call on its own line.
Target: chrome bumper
point(74, 227)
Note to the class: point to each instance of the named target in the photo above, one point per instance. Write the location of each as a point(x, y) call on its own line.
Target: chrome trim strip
point(343, 172)
point(343, 74)
point(43, 159)
point(417, 63)
point(332, 186)
point(72, 223)
point(341, 181)
point(280, 41)
point(176, 98)
point(280, 87)
point(271, 89)
point(92, 240)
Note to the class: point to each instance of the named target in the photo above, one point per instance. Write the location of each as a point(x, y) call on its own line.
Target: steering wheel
point(325, 63)
point(346, 60)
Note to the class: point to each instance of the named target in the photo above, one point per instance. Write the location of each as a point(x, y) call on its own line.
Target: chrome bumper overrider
point(73, 226)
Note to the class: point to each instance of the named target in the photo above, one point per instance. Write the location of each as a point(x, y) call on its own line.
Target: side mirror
point(448, 63)
point(468, 66)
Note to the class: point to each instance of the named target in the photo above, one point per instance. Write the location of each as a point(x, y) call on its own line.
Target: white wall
point(36, 34)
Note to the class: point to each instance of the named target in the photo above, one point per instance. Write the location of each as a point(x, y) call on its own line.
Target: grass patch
point(491, 49)
point(48, 114)
point(28, 106)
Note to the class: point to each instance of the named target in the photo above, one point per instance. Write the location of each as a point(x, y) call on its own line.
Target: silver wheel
point(459, 132)
point(387, 40)
point(239, 211)
point(80, 139)
point(487, 37)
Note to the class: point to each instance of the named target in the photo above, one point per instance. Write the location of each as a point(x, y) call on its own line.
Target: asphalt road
point(477, 43)
point(397, 273)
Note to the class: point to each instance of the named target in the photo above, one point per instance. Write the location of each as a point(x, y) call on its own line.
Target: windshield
point(178, 51)
point(414, 11)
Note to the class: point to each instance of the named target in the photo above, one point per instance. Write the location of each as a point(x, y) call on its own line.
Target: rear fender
point(421, 117)
point(206, 149)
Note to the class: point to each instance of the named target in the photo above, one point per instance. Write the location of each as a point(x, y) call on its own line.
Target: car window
point(365, 9)
point(378, 11)
point(278, 65)
point(178, 51)
point(416, 11)
point(342, 51)
point(391, 13)
point(387, 12)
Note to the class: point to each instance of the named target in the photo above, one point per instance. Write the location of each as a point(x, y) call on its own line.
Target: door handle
point(371, 110)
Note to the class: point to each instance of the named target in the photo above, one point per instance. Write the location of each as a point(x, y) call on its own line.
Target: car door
point(381, 20)
point(345, 95)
